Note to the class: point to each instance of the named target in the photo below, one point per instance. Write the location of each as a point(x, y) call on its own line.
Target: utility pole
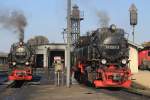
point(68, 41)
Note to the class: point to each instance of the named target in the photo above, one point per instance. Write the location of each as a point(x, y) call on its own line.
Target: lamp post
point(133, 17)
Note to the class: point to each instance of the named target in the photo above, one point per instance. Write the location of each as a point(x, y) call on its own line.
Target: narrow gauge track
point(120, 93)
point(12, 89)
point(137, 92)
point(125, 94)
point(17, 84)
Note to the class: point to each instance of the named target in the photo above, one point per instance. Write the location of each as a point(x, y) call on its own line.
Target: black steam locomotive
point(21, 61)
point(102, 58)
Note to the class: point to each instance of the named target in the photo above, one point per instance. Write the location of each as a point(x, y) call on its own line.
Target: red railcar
point(144, 59)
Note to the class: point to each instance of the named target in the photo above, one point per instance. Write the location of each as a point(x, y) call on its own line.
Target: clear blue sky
point(48, 18)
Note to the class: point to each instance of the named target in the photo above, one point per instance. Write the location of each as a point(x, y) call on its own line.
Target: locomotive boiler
point(102, 58)
point(21, 61)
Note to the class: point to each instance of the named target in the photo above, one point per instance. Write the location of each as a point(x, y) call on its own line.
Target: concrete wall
point(133, 57)
point(44, 49)
point(3, 60)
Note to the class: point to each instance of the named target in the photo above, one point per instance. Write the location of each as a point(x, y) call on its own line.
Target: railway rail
point(138, 91)
point(129, 94)
point(12, 89)
point(17, 90)
point(122, 93)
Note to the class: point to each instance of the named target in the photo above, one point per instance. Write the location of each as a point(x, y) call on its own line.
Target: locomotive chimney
point(21, 36)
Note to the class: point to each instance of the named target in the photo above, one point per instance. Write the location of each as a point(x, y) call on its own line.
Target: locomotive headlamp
point(103, 61)
point(27, 63)
point(20, 43)
point(13, 63)
point(113, 27)
point(124, 61)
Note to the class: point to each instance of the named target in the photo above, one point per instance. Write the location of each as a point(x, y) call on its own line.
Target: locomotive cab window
point(148, 53)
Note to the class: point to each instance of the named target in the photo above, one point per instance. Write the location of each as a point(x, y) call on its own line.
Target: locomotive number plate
point(20, 53)
point(112, 46)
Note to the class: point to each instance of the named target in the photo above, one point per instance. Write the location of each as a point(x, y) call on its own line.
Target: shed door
point(39, 60)
point(54, 53)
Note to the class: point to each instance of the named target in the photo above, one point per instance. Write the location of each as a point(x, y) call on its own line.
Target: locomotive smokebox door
point(113, 27)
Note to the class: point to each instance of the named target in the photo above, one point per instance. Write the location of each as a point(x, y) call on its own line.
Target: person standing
point(58, 72)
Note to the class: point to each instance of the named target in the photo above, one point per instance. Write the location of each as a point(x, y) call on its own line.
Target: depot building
point(3, 58)
point(45, 55)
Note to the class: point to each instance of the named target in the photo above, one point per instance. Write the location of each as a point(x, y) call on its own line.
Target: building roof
point(52, 44)
point(135, 45)
point(3, 54)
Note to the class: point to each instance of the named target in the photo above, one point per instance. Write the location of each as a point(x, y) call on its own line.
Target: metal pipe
point(133, 32)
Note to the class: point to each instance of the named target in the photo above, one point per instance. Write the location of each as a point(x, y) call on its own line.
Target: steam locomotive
point(21, 61)
point(102, 58)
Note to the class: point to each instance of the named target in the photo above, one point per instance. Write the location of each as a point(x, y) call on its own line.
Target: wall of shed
point(45, 49)
point(133, 57)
